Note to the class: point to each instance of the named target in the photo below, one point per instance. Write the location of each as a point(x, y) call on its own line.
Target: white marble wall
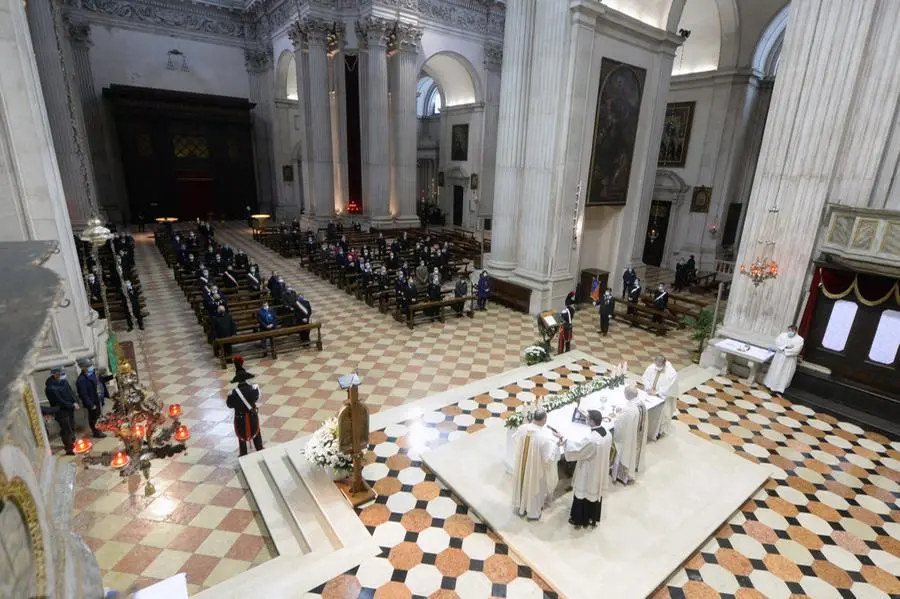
point(32, 201)
point(830, 51)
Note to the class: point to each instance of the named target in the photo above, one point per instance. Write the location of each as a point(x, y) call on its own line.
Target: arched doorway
point(663, 225)
point(286, 140)
point(449, 137)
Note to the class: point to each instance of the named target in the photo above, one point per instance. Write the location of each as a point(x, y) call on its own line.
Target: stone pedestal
point(814, 151)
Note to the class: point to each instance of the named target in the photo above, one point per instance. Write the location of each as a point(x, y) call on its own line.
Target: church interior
point(450, 299)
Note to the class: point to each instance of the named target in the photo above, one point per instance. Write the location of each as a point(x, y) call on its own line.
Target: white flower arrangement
point(534, 354)
point(615, 378)
point(323, 449)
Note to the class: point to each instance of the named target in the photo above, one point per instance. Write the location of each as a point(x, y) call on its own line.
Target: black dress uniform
point(302, 310)
point(135, 300)
point(62, 403)
point(607, 309)
point(461, 290)
point(243, 399)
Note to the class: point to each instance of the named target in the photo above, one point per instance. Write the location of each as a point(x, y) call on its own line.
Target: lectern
point(353, 438)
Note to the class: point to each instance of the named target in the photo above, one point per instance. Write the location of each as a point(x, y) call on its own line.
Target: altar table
point(608, 401)
point(754, 356)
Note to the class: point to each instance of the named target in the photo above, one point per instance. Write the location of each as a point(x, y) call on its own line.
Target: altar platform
point(688, 490)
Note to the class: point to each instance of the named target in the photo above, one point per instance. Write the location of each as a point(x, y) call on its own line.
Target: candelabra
point(762, 268)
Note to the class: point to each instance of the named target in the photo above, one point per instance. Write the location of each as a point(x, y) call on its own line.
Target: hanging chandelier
point(138, 420)
point(760, 270)
point(763, 268)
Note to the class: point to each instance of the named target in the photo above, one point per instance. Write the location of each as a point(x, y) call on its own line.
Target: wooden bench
point(643, 317)
point(273, 334)
point(440, 305)
point(511, 295)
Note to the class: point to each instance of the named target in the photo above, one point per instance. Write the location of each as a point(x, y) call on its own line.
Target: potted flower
point(323, 450)
point(535, 354)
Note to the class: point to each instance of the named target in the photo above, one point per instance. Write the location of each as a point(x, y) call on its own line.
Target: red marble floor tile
point(137, 560)
point(246, 548)
point(198, 568)
point(189, 539)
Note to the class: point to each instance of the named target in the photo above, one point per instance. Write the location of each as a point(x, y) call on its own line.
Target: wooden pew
point(511, 295)
point(643, 317)
point(440, 305)
point(275, 334)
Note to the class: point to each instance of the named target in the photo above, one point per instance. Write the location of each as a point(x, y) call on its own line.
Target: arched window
point(290, 81)
point(428, 97)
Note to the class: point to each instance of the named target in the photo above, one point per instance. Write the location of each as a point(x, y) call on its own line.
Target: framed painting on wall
point(700, 199)
point(287, 173)
point(676, 134)
point(459, 143)
point(615, 131)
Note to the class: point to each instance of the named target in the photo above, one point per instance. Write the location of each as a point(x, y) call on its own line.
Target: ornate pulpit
point(353, 439)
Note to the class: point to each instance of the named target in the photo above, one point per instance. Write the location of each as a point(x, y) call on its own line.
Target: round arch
point(701, 51)
point(455, 76)
point(286, 77)
point(768, 49)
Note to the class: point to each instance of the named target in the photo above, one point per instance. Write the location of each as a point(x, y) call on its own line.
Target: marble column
point(107, 194)
point(545, 101)
point(297, 35)
point(362, 66)
point(845, 53)
point(377, 118)
point(750, 157)
point(403, 107)
point(262, 81)
point(33, 202)
point(493, 59)
point(64, 108)
point(320, 97)
point(337, 76)
point(513, 116)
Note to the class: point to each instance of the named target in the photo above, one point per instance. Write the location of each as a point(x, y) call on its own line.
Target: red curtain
point(836, 282)
point(806, 320)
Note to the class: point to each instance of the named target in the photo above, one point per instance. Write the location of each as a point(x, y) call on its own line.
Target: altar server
point(661, 379)
point(535, 476)
point(788, 346)
point(591, 479)
point(630, 437)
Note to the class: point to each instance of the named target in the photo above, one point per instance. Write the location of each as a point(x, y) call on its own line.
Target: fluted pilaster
point(513, 116)
point(829, 51)
point(377, 118)
point(320, 113)
point(298, 41)
point(262, 80)
point(64, 108)
point(338, 83)
point(538, 196)
point(362, 65)
point(493, 59)
point(404, 48)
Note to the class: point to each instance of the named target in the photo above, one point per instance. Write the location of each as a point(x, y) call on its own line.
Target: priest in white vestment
point(661, 379)
point(591, 479)
point(788, 346)
point(535, 475)
point(630, 436)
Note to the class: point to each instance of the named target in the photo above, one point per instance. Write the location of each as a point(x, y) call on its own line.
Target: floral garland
point(323, 449)
point(523, 413)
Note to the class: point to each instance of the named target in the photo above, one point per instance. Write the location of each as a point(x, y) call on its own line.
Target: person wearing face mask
point(230, 278)
point(62, 405)
point(253, 280)
point(483, 290)
point(788, 346)
point(434, 293)
point(660, 301)
point(266, 321)
point(223, 326)
point(94, 288)
point(93, 393)
point(607, 305)
point(661, 379)
point(135, 300)
point(634, 295)
point(302, 310)
point(381, 245)
point(203, 278)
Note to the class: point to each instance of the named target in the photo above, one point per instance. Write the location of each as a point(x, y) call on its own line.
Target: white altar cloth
point(608, 401)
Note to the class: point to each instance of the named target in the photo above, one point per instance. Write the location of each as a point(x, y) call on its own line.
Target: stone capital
point(404, 37)
point(373, 31)
point(257, 60)
point(79, 32)
point(493, 57)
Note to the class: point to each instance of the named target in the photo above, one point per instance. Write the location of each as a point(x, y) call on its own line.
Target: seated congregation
point(232, 302)
point(112, 283)
point(377, 270)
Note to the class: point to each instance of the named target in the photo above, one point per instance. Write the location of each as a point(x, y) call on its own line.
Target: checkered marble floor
point(201, 520)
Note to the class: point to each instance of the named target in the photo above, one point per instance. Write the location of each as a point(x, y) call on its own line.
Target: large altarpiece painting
point(615, 131)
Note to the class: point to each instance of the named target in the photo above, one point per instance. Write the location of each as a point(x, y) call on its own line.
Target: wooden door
point(458, 194)
point(655, 237)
